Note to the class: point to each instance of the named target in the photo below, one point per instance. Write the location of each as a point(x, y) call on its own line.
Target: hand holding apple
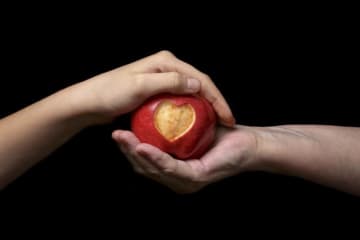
point(181, 125)
point(235, 150)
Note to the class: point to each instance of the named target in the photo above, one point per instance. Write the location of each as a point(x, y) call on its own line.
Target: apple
point(181, 125)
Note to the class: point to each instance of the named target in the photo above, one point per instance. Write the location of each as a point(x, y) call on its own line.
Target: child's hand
point(123, 89)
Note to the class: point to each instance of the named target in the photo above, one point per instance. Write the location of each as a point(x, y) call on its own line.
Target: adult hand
point(234, 151)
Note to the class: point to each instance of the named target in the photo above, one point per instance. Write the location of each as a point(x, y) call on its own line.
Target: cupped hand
point(234, 151)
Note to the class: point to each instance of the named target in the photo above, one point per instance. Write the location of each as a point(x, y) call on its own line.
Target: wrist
point(254, 146)
point(264, 149)
point(71, 106)
point(83, 105)
point(267, 148)
point(284, 149)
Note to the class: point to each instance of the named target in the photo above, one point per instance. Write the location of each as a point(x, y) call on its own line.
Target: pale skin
point(31, 134)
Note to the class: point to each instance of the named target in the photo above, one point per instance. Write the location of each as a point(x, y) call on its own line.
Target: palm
point(231, 153)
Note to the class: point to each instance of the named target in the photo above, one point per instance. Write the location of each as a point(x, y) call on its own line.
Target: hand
point(122, 90)
point(48, 123)
point(234, 151)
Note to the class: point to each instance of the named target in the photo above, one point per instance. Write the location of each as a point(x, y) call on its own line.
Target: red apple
point(181, 125)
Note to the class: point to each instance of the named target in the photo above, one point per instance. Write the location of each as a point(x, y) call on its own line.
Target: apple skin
point(192, 144)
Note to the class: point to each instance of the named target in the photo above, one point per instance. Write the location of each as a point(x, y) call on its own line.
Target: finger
point(165, 61)
point(119, 137)
point(164, 162)
point(173, 82)
point(210, 92)
point(137, 167)
point(125, 138)
point(128, 142)
point(143, 166)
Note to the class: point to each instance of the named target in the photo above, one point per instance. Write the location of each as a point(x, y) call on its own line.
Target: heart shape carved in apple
point(181, 125)
point(173, 121)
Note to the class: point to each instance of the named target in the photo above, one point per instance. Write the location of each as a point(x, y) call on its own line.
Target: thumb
point(173, 82)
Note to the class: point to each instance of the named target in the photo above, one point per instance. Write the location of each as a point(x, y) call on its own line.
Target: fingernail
point(193, 84)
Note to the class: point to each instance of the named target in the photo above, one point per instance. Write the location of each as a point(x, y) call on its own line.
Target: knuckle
point(213, 100)
point(206, 77)
point(152, 172)
point(196, 181)
point(168, 170)
point(177, 82)
point(164, 55)
point(175, 77)
point(157, 158)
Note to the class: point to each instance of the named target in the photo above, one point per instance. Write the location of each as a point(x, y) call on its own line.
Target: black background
point(294, 67)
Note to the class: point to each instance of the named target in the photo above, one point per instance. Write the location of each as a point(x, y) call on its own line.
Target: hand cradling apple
point(181, 125)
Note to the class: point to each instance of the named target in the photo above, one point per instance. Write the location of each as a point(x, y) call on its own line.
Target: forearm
point(29, 135)
point(328, 155)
